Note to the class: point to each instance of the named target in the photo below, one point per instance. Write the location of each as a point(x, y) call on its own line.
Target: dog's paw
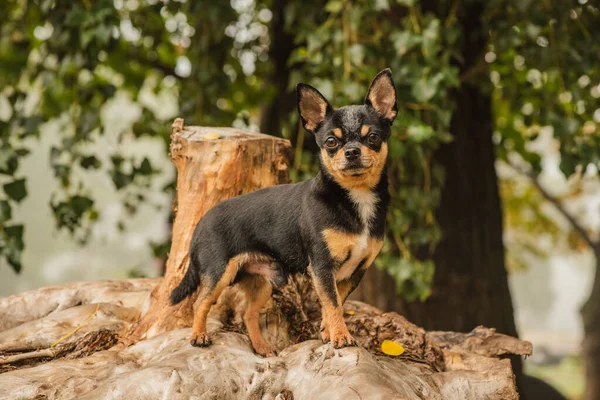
point(200, 340)
point(342, 338)
point(264, 349)
point(325, 333)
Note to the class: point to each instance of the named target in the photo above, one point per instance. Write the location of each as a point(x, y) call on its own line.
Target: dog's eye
point(374, 138)
point(331, 142)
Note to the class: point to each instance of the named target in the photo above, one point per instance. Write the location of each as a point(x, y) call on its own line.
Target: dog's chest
point(349, 250)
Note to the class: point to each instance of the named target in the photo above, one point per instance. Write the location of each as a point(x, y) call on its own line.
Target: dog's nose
point(352, 153)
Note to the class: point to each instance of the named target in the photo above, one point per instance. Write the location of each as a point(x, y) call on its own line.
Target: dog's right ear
point(312, 106)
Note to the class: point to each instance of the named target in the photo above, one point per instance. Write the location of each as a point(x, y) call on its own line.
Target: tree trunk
point(470, 284)
point(470, 257)
point(282, 45)
point(590, 313)
point(213, 164)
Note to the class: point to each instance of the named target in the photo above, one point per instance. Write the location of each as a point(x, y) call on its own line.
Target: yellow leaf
point(211, 136)
point(351, 312)
point(391, 348)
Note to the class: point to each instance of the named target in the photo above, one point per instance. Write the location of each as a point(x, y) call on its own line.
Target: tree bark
point(470, 257)
point(282, 45)
point(590, 313)
point(434, 365)
point(213, 164)
point(470, 284)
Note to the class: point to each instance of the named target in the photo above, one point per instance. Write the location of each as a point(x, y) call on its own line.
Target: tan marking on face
point(373, 161)
point(337, 132)
point(312, 108)
point(364, 130)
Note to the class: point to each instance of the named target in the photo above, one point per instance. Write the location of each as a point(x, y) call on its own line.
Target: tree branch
point(560, 207)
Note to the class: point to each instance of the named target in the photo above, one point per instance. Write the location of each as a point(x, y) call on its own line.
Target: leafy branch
point(560, 207)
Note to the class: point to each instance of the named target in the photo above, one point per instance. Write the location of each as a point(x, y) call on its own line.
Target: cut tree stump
point(55, 342)
point(213, 164)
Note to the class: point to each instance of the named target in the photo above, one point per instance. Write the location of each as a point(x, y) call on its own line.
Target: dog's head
point(352, 139)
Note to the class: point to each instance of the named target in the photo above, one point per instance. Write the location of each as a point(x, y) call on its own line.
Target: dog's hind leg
point(209, 296)
point(257, 290)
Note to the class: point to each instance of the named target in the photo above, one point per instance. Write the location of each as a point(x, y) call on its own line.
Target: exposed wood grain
point(213, 164)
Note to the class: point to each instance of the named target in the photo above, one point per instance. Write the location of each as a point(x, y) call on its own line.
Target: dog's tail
point(187, 286)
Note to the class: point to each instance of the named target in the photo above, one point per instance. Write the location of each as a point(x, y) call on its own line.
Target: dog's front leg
point(331, 305)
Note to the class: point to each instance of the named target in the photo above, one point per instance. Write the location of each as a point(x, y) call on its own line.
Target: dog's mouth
point(355, 170)
point(356, 167)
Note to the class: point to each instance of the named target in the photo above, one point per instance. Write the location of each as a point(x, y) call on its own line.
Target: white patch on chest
point(366, 204)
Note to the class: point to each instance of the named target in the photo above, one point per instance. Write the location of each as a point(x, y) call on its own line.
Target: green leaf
point(69, 213)
point(382, 5)
point(334, 6)
point(425, 88)
point(5, 211)
point(104, 33)
point(88, 121)
point(63, 173)
point(9, 161)
point(32, 124)
point(120, 179)
point(431, 36)
point(16, 190)
point(356, 52)
point(90, 162)
point(13, 237)
point(81, 204)
point(87, 36)
point(420, 133)
point(145, 167)
point(76, 17)
point(22, 152)
point(404, 41)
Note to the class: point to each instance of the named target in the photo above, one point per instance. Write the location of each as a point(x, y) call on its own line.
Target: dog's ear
point(382, 95)
point(312, 106)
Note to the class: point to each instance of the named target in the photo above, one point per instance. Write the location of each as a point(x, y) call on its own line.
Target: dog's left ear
point(382, 95)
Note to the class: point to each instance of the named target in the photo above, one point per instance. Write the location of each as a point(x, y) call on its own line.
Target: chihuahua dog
point(331, 226)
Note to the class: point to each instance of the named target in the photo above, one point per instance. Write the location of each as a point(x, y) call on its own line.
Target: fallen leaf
point(391, 348)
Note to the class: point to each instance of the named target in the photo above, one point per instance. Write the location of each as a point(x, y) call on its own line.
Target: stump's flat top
point(207, 133)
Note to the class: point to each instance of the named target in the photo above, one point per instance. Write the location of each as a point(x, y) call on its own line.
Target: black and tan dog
point(330, 226)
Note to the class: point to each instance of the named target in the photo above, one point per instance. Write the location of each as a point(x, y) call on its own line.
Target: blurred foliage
point(545, 79)
point(531, 231)
point(236, 63)
point(544, 71)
